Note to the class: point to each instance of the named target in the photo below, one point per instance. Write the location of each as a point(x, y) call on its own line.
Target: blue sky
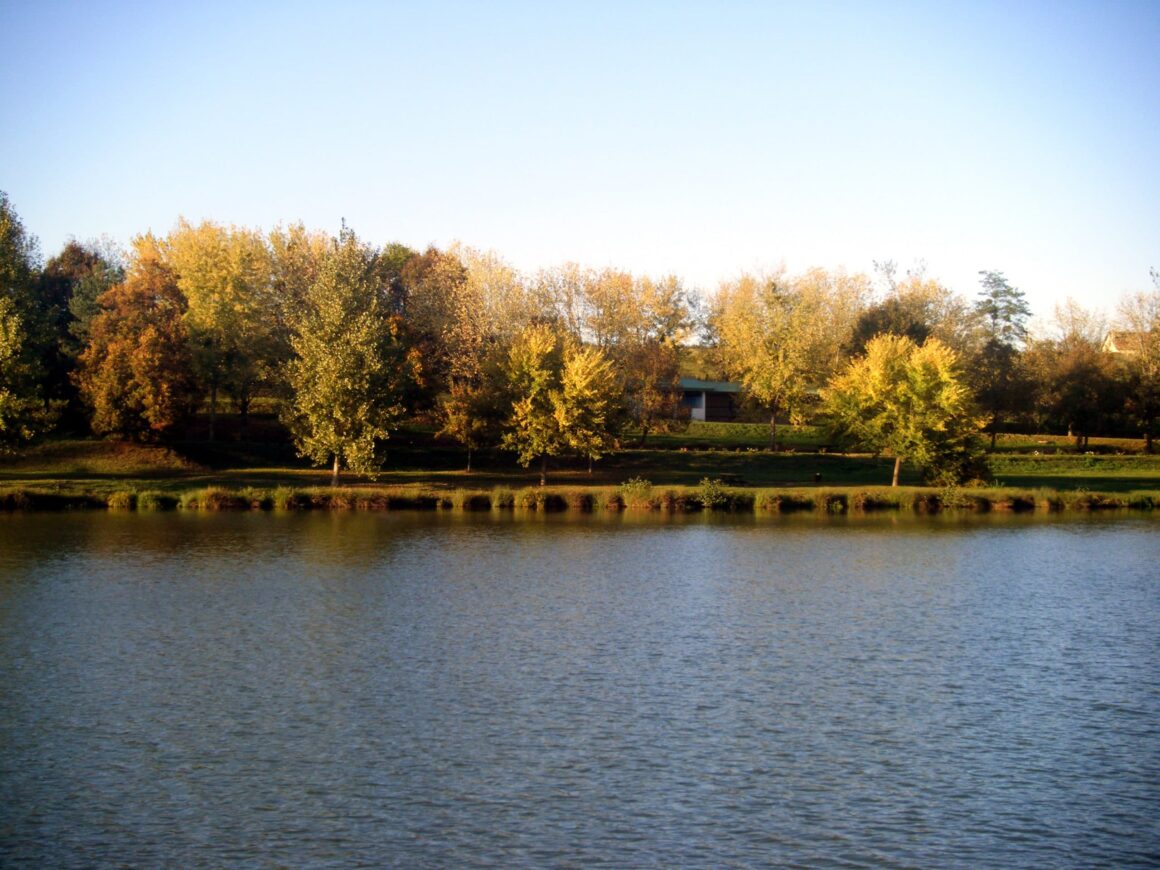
point(694, 138)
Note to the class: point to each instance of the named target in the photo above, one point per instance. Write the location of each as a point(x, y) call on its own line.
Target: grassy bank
point(634, 496)
point(421, 475)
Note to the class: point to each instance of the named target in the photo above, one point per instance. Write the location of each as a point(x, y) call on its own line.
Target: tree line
point(350, 339)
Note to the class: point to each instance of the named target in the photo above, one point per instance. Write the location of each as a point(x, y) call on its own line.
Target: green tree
point(344, 374)
point(26, 333)
point(1004, 312)
point(909, 400)
point(22, 414)
point(135, 374)
point(70, 285)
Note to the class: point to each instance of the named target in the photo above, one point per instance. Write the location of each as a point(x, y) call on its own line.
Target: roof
point(1123, 342)
point(709, 386)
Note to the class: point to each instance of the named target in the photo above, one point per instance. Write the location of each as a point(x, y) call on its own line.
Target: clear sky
point(700, 139)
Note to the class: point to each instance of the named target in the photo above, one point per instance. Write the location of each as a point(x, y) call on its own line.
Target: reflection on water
point(436, 690)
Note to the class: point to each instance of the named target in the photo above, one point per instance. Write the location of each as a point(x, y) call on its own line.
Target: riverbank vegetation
point(236, 359)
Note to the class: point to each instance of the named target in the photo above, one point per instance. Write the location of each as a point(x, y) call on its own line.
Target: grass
point(425, 475)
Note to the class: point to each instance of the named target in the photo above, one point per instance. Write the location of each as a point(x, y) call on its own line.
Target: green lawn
point(732, 452)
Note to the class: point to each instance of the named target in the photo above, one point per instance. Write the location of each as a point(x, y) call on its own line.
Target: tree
point(344, 374)
point(783, 338)
point(22, 414)
point(226, 276)
point(585, 404)
point(135, 374)
point(70, 285)
point(918, 307)
point(532, 369)
point(910, 400)
point(1071, 384)
point(1139, 316)
point(26, 336)
point(1004, 313)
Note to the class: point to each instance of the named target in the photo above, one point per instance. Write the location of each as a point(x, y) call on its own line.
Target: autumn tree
point(1004, 312)
point(918, 307)
point(345, 371)
point(532, 369)
point(1069, 382)
point(586, 402)
point(1139, 318)
point(911, 401)
point(135, 374)
point(225, 274)
point(782, 338)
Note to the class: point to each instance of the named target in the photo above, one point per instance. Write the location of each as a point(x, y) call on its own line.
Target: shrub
point(121, 501)
point(713, 495)
point(503, 498)
point(833, 502)
point(636, 492)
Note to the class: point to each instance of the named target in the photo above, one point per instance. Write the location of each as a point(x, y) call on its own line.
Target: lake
point(436, 690)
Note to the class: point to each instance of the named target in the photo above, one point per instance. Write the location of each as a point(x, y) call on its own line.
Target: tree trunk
point(469, 460)
point(543, 469)
point(994, 433)
point(334, 474)
point(1148, 438)
point(589, 466)
point(244, 413)
point(212, 408)
point(773, 427)
point(897, 470)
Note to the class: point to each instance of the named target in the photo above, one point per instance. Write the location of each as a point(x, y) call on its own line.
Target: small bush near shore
point(122, 501)
point(636, 492)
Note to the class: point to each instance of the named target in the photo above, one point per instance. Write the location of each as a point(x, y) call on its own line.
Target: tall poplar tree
point(344, 375)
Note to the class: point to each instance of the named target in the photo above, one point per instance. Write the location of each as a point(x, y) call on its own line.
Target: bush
point(713, 495)
point(636, 492)
point(503, 498)
point(122, 501)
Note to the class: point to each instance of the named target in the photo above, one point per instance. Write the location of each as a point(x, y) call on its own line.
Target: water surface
point(427, 690)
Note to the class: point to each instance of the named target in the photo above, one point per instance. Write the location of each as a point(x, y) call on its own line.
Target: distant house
point(1123, 342)
point(710, 401)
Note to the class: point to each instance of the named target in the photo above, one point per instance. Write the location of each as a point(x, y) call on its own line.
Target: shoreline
point(593, 499)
